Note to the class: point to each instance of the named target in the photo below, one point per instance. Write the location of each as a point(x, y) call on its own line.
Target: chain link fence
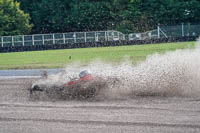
point(168, 31)
point(180, 30)
point(61, 38)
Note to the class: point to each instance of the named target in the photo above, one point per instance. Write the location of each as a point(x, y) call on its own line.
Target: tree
point(169, 11)
point(13, 21)
point(90, 16)
point(50, 16)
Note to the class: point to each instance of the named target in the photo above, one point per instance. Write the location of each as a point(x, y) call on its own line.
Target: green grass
point(60, 58)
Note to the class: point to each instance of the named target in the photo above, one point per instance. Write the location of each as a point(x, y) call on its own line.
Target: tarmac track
point(18, 113)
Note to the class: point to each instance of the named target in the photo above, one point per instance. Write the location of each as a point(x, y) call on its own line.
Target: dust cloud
point(174, 73)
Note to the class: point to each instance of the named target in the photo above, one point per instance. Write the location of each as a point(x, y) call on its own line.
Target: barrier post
point(54, 39)
point(95, 35)
point(23, 40)
point(12, 41)
point(158, 30)
point(64, 38)
point(85, 37)
point(118, 35)
point(33, 40)
point(43, 39)
point(74, 36)
point(113, 36)
point(182, 29)
point(2, 41)
point(105, 36)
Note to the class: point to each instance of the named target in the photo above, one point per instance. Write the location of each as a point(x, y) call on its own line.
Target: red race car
point(86, 86)
point(84, 76)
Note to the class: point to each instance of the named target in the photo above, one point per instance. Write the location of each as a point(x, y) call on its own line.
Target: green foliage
point(124, 15)
point(170, 11)
point(13, 21)
point(90, 16)
point(69, 15)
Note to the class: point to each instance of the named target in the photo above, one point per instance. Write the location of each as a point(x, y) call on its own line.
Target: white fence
point(162, 31)
point(143, 36)
point(61, 38)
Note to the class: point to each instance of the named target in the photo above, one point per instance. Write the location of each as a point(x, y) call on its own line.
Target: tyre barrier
point(95, 44)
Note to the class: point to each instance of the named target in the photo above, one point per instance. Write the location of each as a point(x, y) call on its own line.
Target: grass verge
point(60, 58)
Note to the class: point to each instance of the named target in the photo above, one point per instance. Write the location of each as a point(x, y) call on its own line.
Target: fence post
point(108, 35)
point(42, 39)
point(12, 41)
point(105, 36)
point(188, 33)
point(1, 41)
point(118, 35)
point(158, 29)
point(113, 36)
point(182, 29)
point(85, 37)
point(74, 37)
point(149, 34)
point(54, 41)
point(95, 35)
point(23, 40)
point(64, 38)
point(33, 40)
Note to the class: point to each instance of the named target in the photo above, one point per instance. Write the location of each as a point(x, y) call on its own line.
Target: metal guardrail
point(60, 38)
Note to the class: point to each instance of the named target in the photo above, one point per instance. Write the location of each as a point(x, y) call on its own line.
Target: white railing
point(143, 36)
point(61, 38)
point(162, 31)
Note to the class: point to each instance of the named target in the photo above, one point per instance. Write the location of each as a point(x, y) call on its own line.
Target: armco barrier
point(94, 44)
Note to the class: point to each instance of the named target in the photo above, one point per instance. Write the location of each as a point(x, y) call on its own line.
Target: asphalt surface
point(27, 72)
point(20, 114)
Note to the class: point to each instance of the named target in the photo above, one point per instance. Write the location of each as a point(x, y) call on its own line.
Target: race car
point(84, 76)
point(84, 87)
